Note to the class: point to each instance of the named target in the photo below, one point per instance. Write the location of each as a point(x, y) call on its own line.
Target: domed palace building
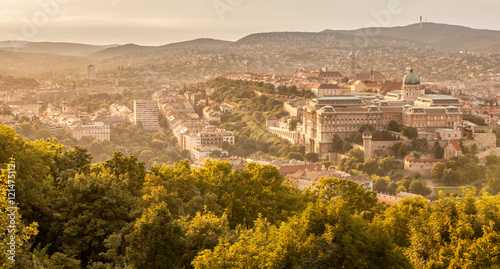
point(324, 117)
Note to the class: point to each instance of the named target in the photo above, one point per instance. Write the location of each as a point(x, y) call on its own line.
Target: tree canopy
point(119, 214)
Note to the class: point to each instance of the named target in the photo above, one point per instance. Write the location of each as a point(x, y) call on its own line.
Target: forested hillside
point(117, 214)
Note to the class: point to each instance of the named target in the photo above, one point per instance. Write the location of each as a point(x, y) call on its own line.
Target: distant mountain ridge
point(133, 48)
point(442, 36)
point(24, 56)
point(59, 48)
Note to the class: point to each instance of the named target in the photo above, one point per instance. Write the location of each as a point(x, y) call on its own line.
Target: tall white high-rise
point(146, 112)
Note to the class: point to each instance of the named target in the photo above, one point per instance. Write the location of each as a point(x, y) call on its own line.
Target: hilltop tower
point(91, 72)
point(64, 106)
point(411, 87)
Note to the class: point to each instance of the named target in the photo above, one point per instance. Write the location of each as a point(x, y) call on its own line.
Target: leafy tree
point(355, 194)
point(492, 186)
point(393, 126)
point(400, 149)
point(215, 153)
point(311, 157)
point(492, 160)
point(158, 144)
point(124, 169)
point(419, 144)
point(307, 241)
point(465, 150)
point(78, 158)
point(410, 132)
point(418, 187)
point(401, 188)
point(295, 155)
point(337, 144)
point(438, 151)
point(386, 165)
point(438, 170)
point(474, 119)
point(352, 159)
point(88, 212)
point(346, 147)
point(370, 166)
point(203, 232)
point(163, 123)
point(292, 125)
point(380, 185)
point(391, 188)
point(257, 190)
point(214, 122)
point(156, 241)
point(398, 220)
point(16, 235)
point(474, 149)
point(450, 176)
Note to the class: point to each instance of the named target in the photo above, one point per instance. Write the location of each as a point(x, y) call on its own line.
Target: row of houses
point(194, 133)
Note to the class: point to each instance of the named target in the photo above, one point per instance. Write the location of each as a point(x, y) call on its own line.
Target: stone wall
point(484, 142)
point(421, 166)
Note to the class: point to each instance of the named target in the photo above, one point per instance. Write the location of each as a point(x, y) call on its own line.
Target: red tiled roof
point(272, 117)
point(377, 76)
point(373, 85)
point(390, 86)
point(387, 201)
point(291, 169)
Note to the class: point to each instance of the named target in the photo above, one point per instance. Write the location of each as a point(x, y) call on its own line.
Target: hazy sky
point(156, 22)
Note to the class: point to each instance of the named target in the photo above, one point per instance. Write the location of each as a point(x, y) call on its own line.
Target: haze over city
point(249, 134)
point(156, 22)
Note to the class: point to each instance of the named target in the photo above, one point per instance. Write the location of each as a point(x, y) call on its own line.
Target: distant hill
point(200, 42)
point(120, 51)
point(59, 48)
point(442, 36)
point(23, 56)
point(327, 38)
point(133, 48)
point(39, 62)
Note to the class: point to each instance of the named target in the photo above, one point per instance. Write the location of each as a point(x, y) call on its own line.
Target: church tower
point(411, 87)
point(367, 143)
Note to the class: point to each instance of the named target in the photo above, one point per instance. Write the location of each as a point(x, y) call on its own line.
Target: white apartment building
point(97, 130)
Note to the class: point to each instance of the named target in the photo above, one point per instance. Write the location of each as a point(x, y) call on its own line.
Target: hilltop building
point(324, 117)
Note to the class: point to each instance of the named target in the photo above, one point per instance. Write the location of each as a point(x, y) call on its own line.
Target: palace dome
point(411, 78)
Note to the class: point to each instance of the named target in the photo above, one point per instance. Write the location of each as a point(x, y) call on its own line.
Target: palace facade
point(324, 117)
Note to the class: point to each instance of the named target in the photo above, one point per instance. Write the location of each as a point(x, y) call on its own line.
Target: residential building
point(325, 89)
point(210, 136)
point(146, 112)
point(211, 115)
point(97, 130)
